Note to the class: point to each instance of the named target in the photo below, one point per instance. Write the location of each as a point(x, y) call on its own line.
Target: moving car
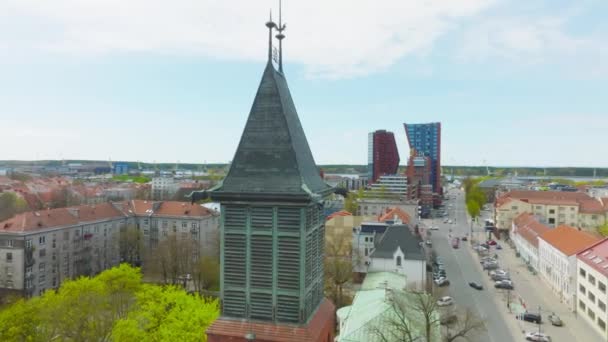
point(450, 221)
point(434, 228)
point(532, 317)
point(538, 337)
point(446, 220)
point(445, 301)
point(455, 243)
point(555, 320)
point(476, 286)
point(504, 284)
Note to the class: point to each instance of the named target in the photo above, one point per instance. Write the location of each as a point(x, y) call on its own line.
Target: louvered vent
point(309, 303)
point(288, 309)
point(289, 260)
point(234, 260)
point(261, 261)
point(261, 306)
point(234, 303)
point(310, 217)
point(261, 218)
point(310, 257)
point(289, 219)
point(235, 218)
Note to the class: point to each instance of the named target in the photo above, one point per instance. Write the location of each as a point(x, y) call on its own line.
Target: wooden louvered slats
point(261, 261)
point(261, 219)
point(234, 303)
point(289, 219)
point(261, 306)
point(235, 218)
point(288, 309)
point(289, 263)
point(234, 260)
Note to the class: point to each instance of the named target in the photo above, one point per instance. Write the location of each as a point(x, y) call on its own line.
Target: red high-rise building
point(382, 155)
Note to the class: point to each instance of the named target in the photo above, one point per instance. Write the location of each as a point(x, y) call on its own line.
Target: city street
point(462, 267)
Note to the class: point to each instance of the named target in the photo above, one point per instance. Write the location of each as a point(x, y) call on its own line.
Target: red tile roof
point(338, 213)
point(392, 212)
point(591, 206)
point(527, 226)
point(586, 203)
point(225, 329)
point(569, 240)
point(596, 256)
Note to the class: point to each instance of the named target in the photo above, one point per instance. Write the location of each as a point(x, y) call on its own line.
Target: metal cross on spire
point(280, 36)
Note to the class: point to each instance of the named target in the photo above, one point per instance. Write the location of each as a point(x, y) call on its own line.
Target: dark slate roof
point(273, 156)
point(489, 183)
point(398, 236)
point(373, 228)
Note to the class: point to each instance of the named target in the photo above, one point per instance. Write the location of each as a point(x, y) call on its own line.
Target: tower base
point(319, 329)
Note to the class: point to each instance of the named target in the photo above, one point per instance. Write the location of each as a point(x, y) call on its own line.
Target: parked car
point(499, 272)
point(538, 337)
point(532, 317)
point(498, 277)
point(429, 243)
point(486, 259)
point(434, 228)
point(485, 245)
point(450, 221)
point(476, 286)
point(490, 266)
point(555, 320)
point(445, 301)
point(442, 282)
point(446, 220)
point(491, 242)
point(464, 238)
point(498, 247)
point(502, 285)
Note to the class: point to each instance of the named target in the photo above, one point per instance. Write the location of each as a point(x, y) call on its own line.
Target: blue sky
point(513, 83)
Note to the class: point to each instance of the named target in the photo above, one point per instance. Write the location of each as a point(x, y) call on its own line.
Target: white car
point(505, 281)
point(434, 228)
point(538, 337)
point(429, 243)
point(450, 221)
point(499, 272)
point(445, 301)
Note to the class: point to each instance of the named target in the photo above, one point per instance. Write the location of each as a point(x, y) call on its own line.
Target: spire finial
point(280, 37)
point(270, 24)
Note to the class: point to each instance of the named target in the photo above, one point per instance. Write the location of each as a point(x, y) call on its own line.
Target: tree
point(351, 203)
point(413, 315)
point(130, 242)
point(463, 326)
point(473, 209)
point(338, 266)
point(114, 305)
point(603, 229)
point(206, 274)
point(173, 259)
point(10, 205)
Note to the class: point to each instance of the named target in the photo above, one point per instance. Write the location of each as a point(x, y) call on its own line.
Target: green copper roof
point(273, 156)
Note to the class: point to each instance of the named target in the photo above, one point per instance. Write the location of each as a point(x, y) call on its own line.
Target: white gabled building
point(592, 281)
point(525, 233)
point(557, 258)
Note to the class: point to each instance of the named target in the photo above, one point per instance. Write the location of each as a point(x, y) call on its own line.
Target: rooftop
point(586, 203)
point(391, 213)
point(596, 256)
point(569, 240)
point(529, 228)
point(398, 236)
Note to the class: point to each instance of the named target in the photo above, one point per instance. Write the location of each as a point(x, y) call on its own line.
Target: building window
point(9, 243)
point(146, 221)
point(366, 239)
point(551, 211)
point(514, 207)
point(28, 243)
point(591, 279)
point(42, 253)
point(601, 324)
point(591, 296)
point(9, 257)
point(41, 267)
point(591, 314)
point(399, 261)
point(601, 305)
point(184, 224)
point(551, 221)
point(66, 235)
point(594, 217)
point(194, 225)
point(582, 272)
point(42, 240)
point(538, 207)
point(601, 286)
point(582, 289)
point(366, 252)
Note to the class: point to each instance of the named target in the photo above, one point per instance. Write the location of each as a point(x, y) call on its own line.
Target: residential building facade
point(575, 209)
point(525, 233)
point(557, 260)
point(592, 280)
point(41, 249)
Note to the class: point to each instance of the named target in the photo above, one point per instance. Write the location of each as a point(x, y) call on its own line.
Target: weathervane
point(280, 37)
point(270, 24)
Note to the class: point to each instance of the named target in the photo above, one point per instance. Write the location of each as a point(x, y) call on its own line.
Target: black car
point(475, 285)
point(502, 285)
point(532, 317)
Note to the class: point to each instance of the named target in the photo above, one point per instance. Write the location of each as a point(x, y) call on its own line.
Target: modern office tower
point(383, 156)
point(425, 140)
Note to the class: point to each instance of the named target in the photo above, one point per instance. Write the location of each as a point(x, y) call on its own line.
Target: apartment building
point(525, 233)
point(40, 249)
point(575, 209)
point(592, 280)
point(557, 260)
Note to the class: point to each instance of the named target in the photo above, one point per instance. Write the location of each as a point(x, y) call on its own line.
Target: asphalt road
point(462, 268)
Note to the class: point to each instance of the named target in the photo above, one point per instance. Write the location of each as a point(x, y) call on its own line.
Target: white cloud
point(337, 38)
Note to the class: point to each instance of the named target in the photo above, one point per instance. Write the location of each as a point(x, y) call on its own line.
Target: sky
point(514, 83)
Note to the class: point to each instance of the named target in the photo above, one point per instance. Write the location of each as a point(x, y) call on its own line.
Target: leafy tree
point(130, 242)
point(473, 209)
point(206, 274)
point(113, 306)
point(351, 203)
point(603, 229)
point(11, 204)
point(462, 326)
point(338, 272)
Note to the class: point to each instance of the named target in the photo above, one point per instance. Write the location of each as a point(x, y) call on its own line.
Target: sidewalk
point(534, 293)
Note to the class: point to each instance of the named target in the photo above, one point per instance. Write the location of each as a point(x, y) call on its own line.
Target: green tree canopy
point(113, 306)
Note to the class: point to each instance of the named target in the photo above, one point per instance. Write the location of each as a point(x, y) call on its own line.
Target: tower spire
point(280, 37)
point(270, 24)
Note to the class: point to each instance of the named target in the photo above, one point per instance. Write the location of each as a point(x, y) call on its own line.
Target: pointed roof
point(273, 158)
